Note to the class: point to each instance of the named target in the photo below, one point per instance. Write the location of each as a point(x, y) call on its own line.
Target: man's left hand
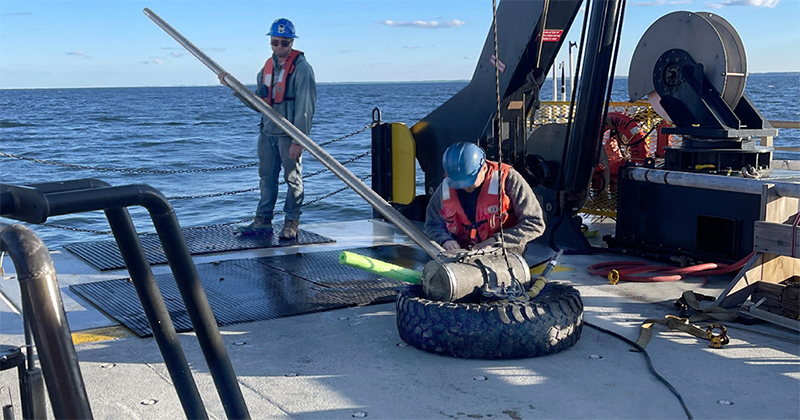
point(295, 150)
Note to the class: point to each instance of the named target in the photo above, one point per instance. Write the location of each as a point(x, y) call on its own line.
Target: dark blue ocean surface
point(169, 138)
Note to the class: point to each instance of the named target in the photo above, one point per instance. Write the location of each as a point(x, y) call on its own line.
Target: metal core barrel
point(460, 278)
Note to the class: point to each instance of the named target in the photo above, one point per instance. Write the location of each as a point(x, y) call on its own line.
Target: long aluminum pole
point(376, 201)
point(712, 182)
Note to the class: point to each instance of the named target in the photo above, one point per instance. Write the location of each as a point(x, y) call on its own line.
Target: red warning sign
point(501, 66)
point(552, 35)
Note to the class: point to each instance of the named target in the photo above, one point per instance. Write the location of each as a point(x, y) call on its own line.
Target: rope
point(518, 284)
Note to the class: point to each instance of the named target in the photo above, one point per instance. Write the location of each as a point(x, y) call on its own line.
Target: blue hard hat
point(463, 162)
point(282, 28)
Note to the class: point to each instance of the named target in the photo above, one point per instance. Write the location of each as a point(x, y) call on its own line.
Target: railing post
point(44, 312)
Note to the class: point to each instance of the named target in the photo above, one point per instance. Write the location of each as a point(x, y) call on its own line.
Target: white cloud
point(660, 3)
point(433, 24)
point(756, 3)
point(176, 54)
point(77, 53)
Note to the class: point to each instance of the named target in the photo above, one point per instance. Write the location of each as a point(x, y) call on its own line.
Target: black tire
point(551, 322)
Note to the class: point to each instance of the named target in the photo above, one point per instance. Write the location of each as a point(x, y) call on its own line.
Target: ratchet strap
point(690, 300)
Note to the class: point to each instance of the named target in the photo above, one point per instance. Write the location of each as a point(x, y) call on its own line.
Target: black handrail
point(35, 203)
point(44, 313)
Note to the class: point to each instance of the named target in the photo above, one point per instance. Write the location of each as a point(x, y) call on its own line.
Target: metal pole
point(711, 182)
point(431, 248)
point(555, 84)
point(571, 73)
point(563, 83)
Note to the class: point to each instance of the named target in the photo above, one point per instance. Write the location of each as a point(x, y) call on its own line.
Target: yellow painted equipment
point(404, 153)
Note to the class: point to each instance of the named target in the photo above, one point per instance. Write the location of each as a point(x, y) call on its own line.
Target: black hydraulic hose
point(44, 311)
point(650, 366)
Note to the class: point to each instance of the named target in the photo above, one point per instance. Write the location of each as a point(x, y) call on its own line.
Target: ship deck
point(351, 362)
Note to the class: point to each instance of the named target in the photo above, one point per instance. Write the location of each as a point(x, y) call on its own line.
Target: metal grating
point(259, 289)
point(105, 255)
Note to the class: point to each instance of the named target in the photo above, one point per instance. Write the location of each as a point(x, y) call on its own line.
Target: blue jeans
point(273, 152)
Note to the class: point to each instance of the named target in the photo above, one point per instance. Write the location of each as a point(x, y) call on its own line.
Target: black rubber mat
point(259, 289)
point(105, 255)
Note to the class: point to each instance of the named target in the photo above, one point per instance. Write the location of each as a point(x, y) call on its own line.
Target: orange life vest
point(486, 213)
point(268, 79)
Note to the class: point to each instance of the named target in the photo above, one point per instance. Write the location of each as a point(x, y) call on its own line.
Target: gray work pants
point(273, 152)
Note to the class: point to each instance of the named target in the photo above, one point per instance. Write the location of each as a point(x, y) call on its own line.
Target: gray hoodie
point(299, 111)
point(524, 204)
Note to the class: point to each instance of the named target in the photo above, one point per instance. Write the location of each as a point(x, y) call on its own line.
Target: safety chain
point(133, 171)
point(108, 232)
point(74, 229)
point(370, 125)
point(306, 204)
point(191, 197)
point(163, 171)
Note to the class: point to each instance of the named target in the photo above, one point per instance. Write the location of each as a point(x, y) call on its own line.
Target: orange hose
point(630, 270)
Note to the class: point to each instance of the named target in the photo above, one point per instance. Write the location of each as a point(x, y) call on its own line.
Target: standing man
point(286, 83)
point(475, 198)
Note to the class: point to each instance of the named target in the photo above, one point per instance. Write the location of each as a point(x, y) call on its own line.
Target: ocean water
point(169, 138)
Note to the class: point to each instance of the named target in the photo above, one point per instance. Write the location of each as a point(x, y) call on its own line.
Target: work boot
point(259, 226)
point(289, 229)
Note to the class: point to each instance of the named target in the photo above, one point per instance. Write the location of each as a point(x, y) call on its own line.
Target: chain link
point(160, 171)
point(189, 197)
point(192, 197)
point(131, 171)
point(236, 222)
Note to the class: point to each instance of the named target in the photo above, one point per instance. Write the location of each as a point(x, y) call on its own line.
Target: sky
point(111, 43)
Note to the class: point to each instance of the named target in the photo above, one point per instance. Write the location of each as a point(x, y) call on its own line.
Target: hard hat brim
point(464, 183)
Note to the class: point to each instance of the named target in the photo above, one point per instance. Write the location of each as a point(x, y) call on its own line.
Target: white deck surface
point(352, 363)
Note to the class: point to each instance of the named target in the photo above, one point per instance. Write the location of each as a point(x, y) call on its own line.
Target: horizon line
point(322, 83)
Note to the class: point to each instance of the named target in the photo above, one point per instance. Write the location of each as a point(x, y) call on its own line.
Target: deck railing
point(35, 203)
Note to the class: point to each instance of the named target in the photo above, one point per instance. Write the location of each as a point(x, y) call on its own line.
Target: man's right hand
point(451, 245)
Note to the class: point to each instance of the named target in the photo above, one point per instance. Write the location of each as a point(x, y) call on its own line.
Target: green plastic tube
point(379, 267)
